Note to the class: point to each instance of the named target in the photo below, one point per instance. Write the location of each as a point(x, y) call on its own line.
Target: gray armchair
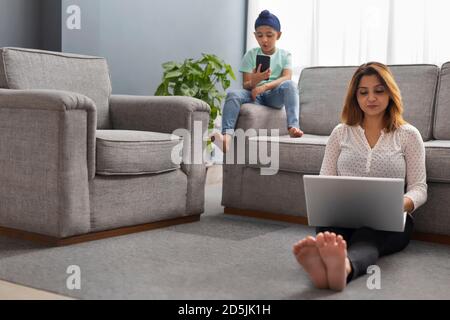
point(77, 163)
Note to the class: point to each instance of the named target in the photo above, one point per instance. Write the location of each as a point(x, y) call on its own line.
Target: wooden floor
point(11, 291)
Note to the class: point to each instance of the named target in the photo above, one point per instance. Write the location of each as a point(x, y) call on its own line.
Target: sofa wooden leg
point(266, 215)
point(428, 237)
point(53, 241)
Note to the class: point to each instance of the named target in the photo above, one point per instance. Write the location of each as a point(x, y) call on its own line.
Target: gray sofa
point(426, 94)
point(77, 163)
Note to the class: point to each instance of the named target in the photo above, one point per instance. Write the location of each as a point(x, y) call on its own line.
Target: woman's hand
point(408, 204)
point(258, 90)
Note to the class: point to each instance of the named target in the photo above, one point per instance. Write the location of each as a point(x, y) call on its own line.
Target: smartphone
point(264, 61)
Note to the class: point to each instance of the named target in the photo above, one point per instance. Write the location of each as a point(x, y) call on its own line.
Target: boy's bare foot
point(333, 250)
point(295, 132)
point(222, 141)
point(309, 258)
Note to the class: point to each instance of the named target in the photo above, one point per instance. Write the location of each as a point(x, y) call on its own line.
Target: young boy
point(273, 88)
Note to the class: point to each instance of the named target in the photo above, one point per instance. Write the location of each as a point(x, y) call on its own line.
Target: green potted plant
point(199, 79)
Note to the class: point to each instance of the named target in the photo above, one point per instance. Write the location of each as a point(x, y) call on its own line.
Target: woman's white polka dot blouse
point(397, 154)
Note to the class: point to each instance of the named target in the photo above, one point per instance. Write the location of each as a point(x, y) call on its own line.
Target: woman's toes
point(327, 236)
point(332, 238)
point(342, 244)
point(300, 245)
point(310, 240)
point(320, 239)
point(297, 247)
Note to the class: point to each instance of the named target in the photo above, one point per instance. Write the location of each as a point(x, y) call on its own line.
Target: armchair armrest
point(157, 114)
point(58, 101)
point(167, 115)
point(47, 149)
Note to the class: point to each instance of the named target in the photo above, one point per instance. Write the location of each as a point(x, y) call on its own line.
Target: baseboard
point(53, 241)
point(428, 237)
point(266, 215)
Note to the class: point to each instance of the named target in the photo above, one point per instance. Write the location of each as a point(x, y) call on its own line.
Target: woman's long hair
point(353, 115)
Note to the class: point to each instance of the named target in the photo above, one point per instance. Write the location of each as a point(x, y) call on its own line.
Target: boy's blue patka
point(266, 18)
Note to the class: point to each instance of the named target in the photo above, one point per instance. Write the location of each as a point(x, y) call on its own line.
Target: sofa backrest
point(36, 69)
point(322, 93)
point(323, 90)
point(418, 84)
point(442, 112)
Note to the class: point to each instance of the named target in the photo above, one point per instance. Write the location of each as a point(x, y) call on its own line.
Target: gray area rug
point(220, 257)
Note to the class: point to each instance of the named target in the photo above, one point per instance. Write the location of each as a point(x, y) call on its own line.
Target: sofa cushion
point(302, 155)
point(442, 112)
point(418, 84)
point(322, 94)
point(122, 152)
point(305, 155)
point(36, 69)
point(438, 160)
point(323, 90)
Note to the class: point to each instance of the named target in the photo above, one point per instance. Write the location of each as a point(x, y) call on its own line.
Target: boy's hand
point(259, 76)
point(258, 90)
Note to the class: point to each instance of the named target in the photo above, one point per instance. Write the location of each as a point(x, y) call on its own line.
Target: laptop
point(355, 202)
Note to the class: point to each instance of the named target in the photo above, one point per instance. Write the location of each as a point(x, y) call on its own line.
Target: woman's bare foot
point(222, 141)
point(295, 132)
point(308, 257)
point(333, 250)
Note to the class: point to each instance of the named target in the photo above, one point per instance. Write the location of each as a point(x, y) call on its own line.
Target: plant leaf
point(162, 90)
point(229, 70)
point(169, 66)
point(225, 83)
point(200, 79)
point(173, 74)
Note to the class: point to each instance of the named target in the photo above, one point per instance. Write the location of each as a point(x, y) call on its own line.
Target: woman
point(373, 140)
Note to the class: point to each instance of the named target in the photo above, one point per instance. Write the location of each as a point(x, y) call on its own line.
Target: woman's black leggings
point(365, 245)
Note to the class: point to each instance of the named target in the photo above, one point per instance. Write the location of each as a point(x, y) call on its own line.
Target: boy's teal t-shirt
point(279, 61)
